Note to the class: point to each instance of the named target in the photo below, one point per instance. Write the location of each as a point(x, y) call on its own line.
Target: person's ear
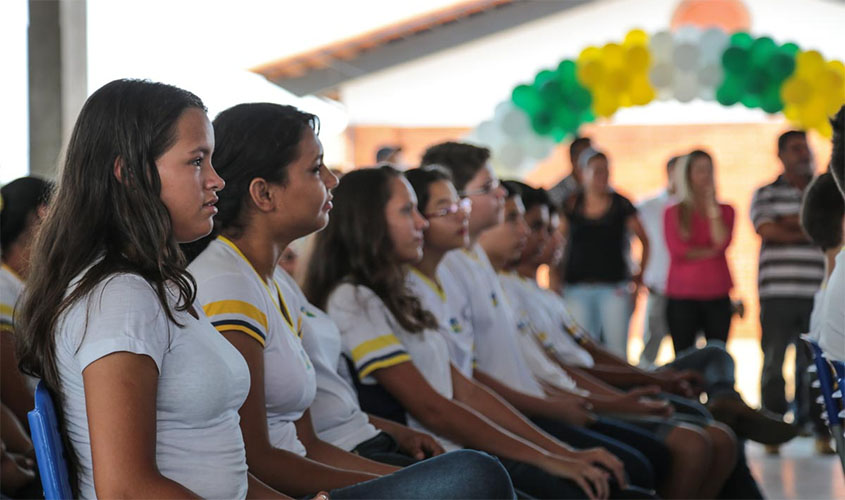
point(261, 194)
point(118, 169)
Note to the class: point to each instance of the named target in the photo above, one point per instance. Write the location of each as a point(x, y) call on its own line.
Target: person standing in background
point(654, 275)
point(698, 230)
point(791, 269)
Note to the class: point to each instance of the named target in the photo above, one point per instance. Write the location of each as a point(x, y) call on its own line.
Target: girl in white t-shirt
point(146, 390)
point(278, 190)
point(402, 367)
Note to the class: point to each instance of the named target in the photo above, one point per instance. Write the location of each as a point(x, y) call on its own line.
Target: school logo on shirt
point(306, 312)
point(455, 325)
point(494, 299)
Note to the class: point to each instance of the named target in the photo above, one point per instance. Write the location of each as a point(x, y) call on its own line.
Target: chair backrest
point(827, 382)
point(44, 428)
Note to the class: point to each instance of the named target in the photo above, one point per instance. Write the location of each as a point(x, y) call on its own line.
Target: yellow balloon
point(636, 37)
point(813, 113)
point(796, 91)
point(604, 103)
point(836, 66)
point(809, 63)
point(824, 129)
point(637, 58)
point(617, 81)
point(590, 53)
point(590, 73)
point(790, 111)
point(641, 91)
point(613, 54)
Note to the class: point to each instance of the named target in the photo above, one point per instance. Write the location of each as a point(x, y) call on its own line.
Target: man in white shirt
point(654, 277)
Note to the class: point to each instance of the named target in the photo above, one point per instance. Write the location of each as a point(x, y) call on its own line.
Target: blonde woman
point(698, 230)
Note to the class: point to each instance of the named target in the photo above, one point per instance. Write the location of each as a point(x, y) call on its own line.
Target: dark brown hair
point(355, 247)
point(119, 225)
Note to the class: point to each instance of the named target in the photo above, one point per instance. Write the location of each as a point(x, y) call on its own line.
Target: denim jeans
point(645, 457)
point(604, 310)
point(458, 474)
point(715, 365)
point(383, 448)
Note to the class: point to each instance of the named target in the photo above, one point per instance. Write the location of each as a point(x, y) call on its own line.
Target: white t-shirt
point(435, 297)
point(651, 214)
point(816, 313)
point(11, 289)
point(491, 321)
point(373, 339)
point(534, 327)
point(335, 412)
point(235, 298)
point(562, 338)
point(832, 320)
point(202, 383)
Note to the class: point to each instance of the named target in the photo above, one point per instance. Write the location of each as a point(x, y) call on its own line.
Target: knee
point(692, 445)
point(724, 444)
point(491, 479)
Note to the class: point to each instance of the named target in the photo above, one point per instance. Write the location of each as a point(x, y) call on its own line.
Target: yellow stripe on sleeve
point(7, 310)
point(236, 307)
point(373, 345)
point(243, 329)
point(384, 363)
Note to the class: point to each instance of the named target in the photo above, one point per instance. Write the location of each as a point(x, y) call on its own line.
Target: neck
point(797, 179)
point(527, 270)
point(261, 249)
point(431, 259)
point(499, 263)
point(18, 261)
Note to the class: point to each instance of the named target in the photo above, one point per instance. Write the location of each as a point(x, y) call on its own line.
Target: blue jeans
point(604, 310)
point(458, 474)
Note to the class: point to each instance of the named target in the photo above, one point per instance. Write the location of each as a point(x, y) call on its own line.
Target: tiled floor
point(797, 473)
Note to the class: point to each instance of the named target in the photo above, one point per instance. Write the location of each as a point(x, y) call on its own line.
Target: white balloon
point(713, 43)
point(514, 122)
point(661, 46)
point(686, 56)
point(538, 147)
point(661, 75)
point(710, 75)
point(509, 154)
point(488, 133)
point(688, 33)
point(685, 86)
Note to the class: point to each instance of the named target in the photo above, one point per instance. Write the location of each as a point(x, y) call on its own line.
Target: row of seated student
point(405, 308)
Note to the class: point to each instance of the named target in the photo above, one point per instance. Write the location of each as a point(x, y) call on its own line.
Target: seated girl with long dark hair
point(146, 390)
point(278, 190)
point(401, 363)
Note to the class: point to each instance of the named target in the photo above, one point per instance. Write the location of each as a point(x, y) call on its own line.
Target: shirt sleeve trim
point(387, 361)
point(240, 326)
point(236, 307)
point(373, 345)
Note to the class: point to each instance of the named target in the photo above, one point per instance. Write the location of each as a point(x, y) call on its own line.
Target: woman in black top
point(600, 287)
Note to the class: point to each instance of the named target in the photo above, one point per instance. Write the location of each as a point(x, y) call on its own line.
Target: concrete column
point(57, 78)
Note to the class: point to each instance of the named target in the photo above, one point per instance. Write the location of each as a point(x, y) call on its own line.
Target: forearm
point(13, 434)
point(589, 383)
point(388, 426)
point(620, 376)
point(256, 489)
point(781, 232)
point(296, 475)
point(525, 403)
point(141, 485)
point(327, 454)
point(486, 402)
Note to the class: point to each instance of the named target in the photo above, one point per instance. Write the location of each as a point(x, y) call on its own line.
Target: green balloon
point(770, 100)
point(551, 91)
point(730, 92)
point(790, 48)
point(565, 118)
point(527, 98)
point(543, 77)
point(735, 60)
point(559, 134)
point(567, 71)
point(762, 50)
point(756, 81)
point(581, 98)
point(587, 116)
point(741, 39)
point(750, 101)
point(781, 66)
point(542, 122)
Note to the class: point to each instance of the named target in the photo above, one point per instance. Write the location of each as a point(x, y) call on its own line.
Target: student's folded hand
point(418, 444)
point(593, 480)
point(574, 411)
point(605, 459)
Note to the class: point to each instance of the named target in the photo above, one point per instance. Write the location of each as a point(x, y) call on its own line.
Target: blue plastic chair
point(830, 384)
point(49, 454)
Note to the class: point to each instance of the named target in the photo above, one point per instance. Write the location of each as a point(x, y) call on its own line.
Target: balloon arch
point(683, 65)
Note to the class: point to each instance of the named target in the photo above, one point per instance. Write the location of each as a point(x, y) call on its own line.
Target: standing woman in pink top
point(698, 231)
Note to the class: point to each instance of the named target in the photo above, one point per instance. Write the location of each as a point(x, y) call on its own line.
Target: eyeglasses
point(465, 205)
point(486, 189)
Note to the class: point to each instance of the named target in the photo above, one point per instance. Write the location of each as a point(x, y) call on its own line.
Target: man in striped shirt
point(790, 272)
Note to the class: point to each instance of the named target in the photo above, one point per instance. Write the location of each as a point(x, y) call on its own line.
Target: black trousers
point(687, 317)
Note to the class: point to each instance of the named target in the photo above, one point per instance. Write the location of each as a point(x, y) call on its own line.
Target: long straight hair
point(683, 189)
point(355, 247)
point(124, 126)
